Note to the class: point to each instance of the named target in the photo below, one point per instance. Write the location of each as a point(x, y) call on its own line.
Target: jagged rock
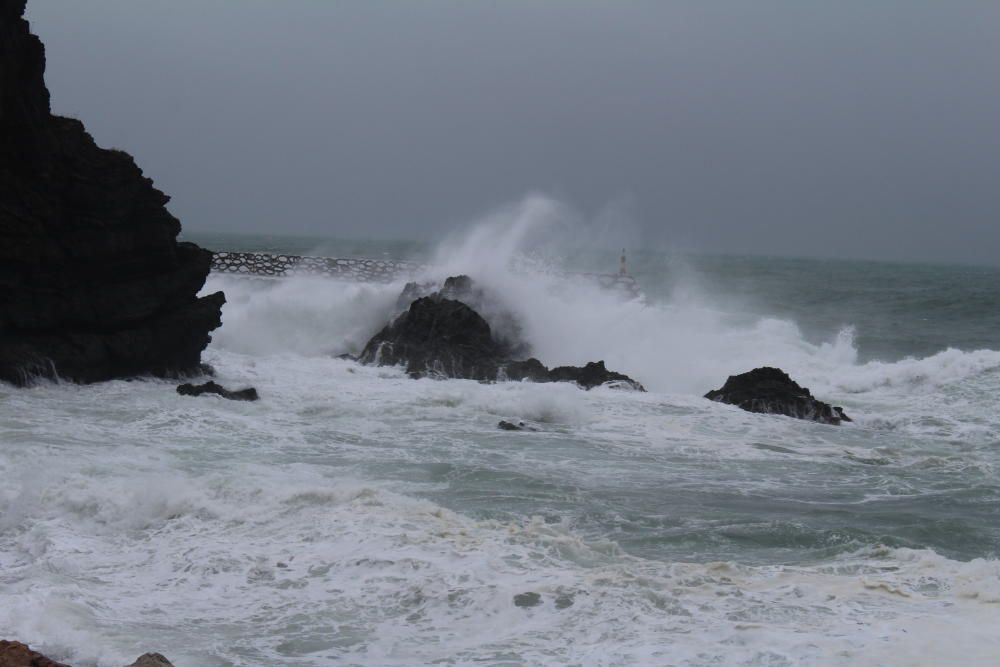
point(505, 326)
point(16, 654)
point(529, 369)
point(151, 660)
point(770, 391)
point(455, 287)
point(93, 283)
point(437, 337)
point(187, 389)
point(593, 375)
point(440, 336)
point(413, 291)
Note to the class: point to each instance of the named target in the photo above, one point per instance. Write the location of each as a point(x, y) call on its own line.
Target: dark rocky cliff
point(93, 283)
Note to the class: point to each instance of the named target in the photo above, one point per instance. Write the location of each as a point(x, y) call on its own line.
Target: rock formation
point(504, 325)
point(504, 425)
point(770, 391)
point(151, 660)
point(16, 654)
point(437, 336)
point(440, 336)
point(93, 283)
point(594, 374)
point(188, 389)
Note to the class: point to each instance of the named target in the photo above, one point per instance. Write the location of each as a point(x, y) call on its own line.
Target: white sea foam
point(267, 563)
point(355, 516)
point(687, 343)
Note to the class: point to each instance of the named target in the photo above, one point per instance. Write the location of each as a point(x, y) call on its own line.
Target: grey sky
point(857, 128)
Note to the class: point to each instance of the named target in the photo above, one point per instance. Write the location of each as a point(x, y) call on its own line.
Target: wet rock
point(413, 291)
point(770, 391)
point(529, 369)
point(593, 375)
point(440, 336)
point(16, 654)
point(511, 426)
point(93, 282)
point(188, 389)
point(504, 325)
point(460, 288)
point(527, 600)
point(151, 660)
point(564, 601)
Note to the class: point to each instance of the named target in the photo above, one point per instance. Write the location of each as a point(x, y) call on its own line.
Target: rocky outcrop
point(151, 660)
point(440, 336)
point(504, 425)
point(593, 375)
point(16, 654)
point(770, 391)
point(504, 325)
point(93, 283)
point(188, 389)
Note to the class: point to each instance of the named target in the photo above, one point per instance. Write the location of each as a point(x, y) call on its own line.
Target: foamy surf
point(356, 516)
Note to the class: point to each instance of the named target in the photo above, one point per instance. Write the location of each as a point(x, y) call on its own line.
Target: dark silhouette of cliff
point(93, 283)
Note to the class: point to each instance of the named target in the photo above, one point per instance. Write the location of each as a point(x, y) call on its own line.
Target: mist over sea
point(354, 516)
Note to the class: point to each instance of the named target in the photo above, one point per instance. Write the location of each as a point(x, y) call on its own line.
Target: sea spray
point(687, 341)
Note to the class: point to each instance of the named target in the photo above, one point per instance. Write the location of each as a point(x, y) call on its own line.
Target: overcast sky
point(851, 128)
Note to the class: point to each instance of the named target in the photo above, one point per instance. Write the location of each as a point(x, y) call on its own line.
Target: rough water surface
point(354, 516)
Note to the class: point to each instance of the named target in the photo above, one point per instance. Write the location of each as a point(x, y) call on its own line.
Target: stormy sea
point(356, 516)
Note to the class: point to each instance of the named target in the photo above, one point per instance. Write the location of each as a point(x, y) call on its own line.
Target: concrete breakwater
point(280, 266)
point(267, 265)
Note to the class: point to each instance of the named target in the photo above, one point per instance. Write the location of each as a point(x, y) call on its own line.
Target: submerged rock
point(527, 600)
point(511, 426)
point(441, 336)
point(564, 601)
point(16, 654)
point(188, 389)
point(770, 391)
point(151, 660)
point(93, 282)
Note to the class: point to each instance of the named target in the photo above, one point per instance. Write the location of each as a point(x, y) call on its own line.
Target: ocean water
point(353, 516)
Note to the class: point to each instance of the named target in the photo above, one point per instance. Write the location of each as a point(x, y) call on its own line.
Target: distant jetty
point(357, 269)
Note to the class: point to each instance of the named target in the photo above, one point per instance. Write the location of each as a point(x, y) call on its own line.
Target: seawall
point(260, 264)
